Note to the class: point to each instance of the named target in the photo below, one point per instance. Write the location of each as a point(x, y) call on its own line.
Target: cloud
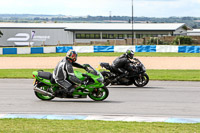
point(167, 9)
point(156, 0)
point(154, 8)
point(197, 1)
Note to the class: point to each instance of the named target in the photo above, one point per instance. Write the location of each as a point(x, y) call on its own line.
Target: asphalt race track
point(157, 99)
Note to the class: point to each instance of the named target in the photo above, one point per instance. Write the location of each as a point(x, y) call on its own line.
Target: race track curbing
point(101, 117)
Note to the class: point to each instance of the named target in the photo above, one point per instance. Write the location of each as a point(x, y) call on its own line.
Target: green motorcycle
point(45, 86)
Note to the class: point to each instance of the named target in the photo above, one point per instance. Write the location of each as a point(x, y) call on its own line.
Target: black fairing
point(136, 73)
point(140, 68)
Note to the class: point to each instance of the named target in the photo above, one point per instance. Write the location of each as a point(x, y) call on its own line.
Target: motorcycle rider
point(121, 65)
point(64, 73)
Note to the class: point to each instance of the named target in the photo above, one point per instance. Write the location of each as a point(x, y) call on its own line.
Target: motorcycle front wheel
point(141, 81)
point(99, 94)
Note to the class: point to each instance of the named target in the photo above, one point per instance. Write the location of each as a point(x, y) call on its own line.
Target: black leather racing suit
point(63, 73)
point(121, 65)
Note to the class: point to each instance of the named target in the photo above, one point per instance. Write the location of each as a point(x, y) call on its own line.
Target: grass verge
point(180, 75)
point(138, 54)
point(175, 75)
point(19, 73)
point(84, 126)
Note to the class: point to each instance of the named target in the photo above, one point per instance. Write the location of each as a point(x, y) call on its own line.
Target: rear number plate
point(34, 81)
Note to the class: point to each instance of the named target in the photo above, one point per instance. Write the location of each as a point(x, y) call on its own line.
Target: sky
point(146, 8)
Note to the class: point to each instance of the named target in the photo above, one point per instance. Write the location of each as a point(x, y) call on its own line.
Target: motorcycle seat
point(105, 65)
point(47, 75)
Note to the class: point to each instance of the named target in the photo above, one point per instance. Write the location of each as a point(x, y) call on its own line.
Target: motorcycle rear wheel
point(99, 94)
point(141, 82)
point(43, 97)
point(106, 81)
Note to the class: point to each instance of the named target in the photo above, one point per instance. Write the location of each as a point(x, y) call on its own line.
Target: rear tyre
point(43, 97)
point(106, 81)
point(141, 82)
point(99, 94)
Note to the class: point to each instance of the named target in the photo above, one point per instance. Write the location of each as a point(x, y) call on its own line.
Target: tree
point(182, 40)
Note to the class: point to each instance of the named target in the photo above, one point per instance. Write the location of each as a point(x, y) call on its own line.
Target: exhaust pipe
point(43, 92)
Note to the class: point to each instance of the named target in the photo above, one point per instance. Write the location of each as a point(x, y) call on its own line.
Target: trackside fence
point(93, 49)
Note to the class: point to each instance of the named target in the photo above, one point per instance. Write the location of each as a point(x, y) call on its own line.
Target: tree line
point(193, 22)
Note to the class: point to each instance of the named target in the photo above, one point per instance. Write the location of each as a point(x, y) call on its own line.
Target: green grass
point(181, 75)
point(138, 54)
point(19, 73)
point(84, 126)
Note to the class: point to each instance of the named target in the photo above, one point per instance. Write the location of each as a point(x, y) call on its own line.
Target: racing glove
point(85, 66)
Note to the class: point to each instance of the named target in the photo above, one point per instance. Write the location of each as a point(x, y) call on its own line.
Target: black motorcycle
point(139, 77)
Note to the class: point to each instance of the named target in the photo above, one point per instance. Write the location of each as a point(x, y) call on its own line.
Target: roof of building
point(194, 31)
point(97, 26)
point(126, 27)
point(33, 25)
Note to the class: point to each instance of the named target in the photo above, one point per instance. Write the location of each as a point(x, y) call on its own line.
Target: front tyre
point(141, 81)
point(99, 94)
point(43, 97)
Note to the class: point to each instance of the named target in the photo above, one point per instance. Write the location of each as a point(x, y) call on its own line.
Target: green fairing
point(94, 85)
point(35, 73)
point(79, 75)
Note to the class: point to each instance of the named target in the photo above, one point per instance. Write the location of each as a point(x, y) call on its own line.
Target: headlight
point(100, 80)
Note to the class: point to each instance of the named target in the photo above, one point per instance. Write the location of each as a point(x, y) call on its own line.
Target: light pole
point(132, 25)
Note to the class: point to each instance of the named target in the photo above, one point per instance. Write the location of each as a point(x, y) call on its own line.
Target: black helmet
point(129, 54)
point(71, 54)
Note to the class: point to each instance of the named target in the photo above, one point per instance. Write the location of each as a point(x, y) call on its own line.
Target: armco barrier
point(103, 48)
point(9, 50)
point(165, 48)
point(189, 49)
point(84, 49)
point(1, 52)
point(37, 50)
point(63, 49)
point(123, 48)
point(92, 49)
point(145, 48)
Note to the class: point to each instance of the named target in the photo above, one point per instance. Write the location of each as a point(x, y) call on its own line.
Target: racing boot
point(62, 93)
point(70, 91)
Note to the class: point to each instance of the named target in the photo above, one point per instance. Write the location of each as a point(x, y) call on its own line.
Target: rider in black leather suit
point(121, 65)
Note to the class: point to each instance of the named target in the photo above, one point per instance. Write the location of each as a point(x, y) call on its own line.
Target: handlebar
point(85, 75)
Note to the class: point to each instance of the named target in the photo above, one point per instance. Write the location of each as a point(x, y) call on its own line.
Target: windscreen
point(92, 70)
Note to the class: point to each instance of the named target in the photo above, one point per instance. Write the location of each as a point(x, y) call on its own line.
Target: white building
point(194, 32)
point(23, 34)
